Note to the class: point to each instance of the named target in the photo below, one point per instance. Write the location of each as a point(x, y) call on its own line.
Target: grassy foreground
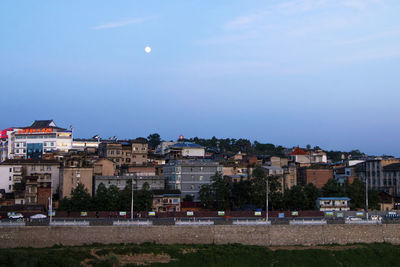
point(202, 255)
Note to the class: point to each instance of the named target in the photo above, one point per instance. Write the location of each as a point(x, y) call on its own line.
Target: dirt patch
point(143, 259)
point(189, 250)
point(138, 259)
point(335, 248)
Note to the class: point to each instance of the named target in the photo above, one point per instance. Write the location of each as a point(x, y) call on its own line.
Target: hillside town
point(44, 165)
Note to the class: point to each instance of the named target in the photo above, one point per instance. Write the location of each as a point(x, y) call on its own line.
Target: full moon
point(147, 49)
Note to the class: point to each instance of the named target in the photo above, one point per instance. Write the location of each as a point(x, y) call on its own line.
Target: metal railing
point(251, 222)
point(127, 223)
point(69, 223)
point(307, 222)
point(194, 222)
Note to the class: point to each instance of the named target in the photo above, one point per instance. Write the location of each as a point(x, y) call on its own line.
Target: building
point(318, 175)
point(166, 201)
point(133, 152)
point(104, 167)
point(381, 174)
point(71, 176)
point(189, 175)
point(333, 203)
point(185, 150)
point(391, 179)
point(13, 171)
point(314, 156)
point(154, 182)
point(31, 142)
point(81, 144)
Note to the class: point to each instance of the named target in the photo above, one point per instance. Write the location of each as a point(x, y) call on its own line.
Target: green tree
point(333, 189)
point(311, 193)
point(100, 199)
point(113, 198)
point(221, 191)
point(143, 199)
point(241, 194)
point(294, 198)
point(206, 196)
point(154, 140)
point(80, 198)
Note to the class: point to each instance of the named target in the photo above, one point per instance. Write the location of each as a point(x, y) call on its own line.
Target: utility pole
point(51, 200)
point(266, 201)
point(366, 195)
point(132, 199)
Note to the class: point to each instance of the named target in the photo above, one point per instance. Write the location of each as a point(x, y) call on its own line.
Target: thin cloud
point(118, 24)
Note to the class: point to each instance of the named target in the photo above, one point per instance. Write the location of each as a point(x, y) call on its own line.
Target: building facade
point(189, 175)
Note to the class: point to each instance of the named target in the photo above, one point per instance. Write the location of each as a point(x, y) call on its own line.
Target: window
point(10, 169)
point(42, 167)
point(192, 186)
point(9, 178)
point(9, 187)
point(201, 169)
point(49, 168)
point(118, 152)
point(201, 178)
point(33, 168)
point(52, 143)
point(78, 173)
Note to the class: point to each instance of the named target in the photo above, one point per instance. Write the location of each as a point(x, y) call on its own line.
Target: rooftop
point(29, 161)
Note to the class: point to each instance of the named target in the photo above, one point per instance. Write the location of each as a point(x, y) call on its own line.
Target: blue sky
point(289, 72)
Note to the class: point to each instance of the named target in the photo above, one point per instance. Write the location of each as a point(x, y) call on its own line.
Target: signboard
point(295, 213)
point(189, 213)
point(328, 213)
point(43, 130)
point(83, 213)
point(122, 213)
point(257, 213)
point(359, 213)
point(152, 213)
point(281, 215)
point(53, 213)
point(221, 213)
point(339, 215)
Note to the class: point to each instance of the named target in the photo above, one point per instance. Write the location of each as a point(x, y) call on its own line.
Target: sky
point(288, 72)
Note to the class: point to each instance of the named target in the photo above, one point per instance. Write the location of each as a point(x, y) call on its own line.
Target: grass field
point(203, 255)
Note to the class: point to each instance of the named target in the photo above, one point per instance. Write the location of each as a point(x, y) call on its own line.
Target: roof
point(29, 161)
point(298, 151)
point(166, 192)
point(333, 198)
point(40, 124)
point(187, 144)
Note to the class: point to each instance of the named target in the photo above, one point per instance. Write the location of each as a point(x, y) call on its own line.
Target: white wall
point(5, 175)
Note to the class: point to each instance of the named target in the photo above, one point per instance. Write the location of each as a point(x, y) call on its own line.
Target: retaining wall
point(274, 235)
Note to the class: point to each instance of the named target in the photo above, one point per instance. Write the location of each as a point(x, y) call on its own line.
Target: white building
point(34, 141)
point(12, 171)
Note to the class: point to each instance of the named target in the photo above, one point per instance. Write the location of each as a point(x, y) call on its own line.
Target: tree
point(241, 194)
point(311, 193)
point(221, 191)
point(100, 199)
point(294, 198)
point(154, 140)
point(113, 198)
point(206, 196)
point(333, 189)
point(142, 199)
point(80, 198)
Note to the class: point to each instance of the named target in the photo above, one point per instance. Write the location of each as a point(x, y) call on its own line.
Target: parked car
point(353, 218)
point(38, 216)
point(16, 216)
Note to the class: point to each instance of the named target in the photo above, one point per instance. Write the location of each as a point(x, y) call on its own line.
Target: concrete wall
point(275, 235)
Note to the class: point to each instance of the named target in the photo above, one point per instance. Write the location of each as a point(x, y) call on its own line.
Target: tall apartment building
point(31, 142)
point(378, 176)
point(189, 175)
